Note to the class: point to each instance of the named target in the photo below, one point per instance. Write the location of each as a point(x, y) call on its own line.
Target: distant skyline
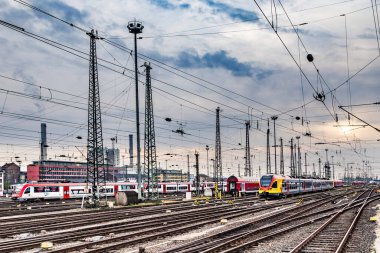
point(204, 54)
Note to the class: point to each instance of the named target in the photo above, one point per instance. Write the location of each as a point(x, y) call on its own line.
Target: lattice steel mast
point(248, 169)
point(218, 151)
point(150, 157)
point(95, 154)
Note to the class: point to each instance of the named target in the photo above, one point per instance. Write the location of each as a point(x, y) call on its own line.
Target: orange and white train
point(278, 186)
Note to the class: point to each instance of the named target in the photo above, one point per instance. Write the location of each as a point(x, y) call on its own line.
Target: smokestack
point(43, 142)
point(131, 150)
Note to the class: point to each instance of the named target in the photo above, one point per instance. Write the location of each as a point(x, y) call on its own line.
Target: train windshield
point(266, 180)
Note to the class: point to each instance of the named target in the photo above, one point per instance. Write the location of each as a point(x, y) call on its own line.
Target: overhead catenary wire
point(40, 10)
point(82, 29)
point(376, 23)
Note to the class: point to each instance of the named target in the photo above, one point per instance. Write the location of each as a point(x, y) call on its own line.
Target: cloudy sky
point(242, 56)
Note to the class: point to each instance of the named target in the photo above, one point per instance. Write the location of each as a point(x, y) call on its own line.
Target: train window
point(171, 188)
point(266, 180)
point(274, 185)
point(27, 190)
point(39, 189)
point(183, 187)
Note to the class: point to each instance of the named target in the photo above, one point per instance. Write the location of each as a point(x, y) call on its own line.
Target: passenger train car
point(279, 186)
point(211, 185)
point(242, 185)
point(44, 191)
point(172, 187)
point(30, 191)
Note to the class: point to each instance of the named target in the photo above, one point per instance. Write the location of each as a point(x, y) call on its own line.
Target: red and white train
point(45, 190)
point(172, 187)
point(211, 185)
point(242, 185)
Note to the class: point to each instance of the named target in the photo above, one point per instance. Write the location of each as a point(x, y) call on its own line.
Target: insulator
point(310, 57)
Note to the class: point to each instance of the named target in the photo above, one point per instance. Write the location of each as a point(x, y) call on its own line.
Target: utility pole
point(299, 157)
point(150, 157)
point(305, 165)
point(114, 140)
point(95, 153)
point(333, 171)
point(292, 169)
point(327, 166)
point(208, 172)
point(188, 168)
point(197, 172)
point(274, 118)
point(320, 171)
point(248, 169)
point(269, 169)
point(136, 27)
point(282, 165)
point(218, 150)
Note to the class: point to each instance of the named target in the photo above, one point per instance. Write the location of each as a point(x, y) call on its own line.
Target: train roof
point(243, 179)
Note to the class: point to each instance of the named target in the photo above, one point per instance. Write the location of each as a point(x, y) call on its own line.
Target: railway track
point(155, 226)
point(333, 235)
point(21, 209)
point(263, 229)
point(69, 220)
point(317, 223)
point(109, 244)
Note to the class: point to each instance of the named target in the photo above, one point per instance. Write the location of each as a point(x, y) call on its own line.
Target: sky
point(247, 57)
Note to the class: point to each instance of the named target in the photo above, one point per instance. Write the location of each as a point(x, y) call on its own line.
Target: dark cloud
point(235, 13)
point(219, 59)
point(65, 11)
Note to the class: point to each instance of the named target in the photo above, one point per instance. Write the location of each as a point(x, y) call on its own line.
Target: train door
point(164, 188)
point(115, 189)
point(242, 187)
point(66, 192)
point(232, 187)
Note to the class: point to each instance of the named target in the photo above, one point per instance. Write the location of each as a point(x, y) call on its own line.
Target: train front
point(269, 186)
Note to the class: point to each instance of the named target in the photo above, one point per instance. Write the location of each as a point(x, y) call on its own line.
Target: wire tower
point(95, 155)
point(218, 176)
point(150, 157)
point(248, 169)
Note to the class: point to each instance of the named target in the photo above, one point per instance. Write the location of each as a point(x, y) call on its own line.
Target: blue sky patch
point(165, 4)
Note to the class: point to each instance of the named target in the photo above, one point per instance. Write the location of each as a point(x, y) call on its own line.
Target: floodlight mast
point(136, 27)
